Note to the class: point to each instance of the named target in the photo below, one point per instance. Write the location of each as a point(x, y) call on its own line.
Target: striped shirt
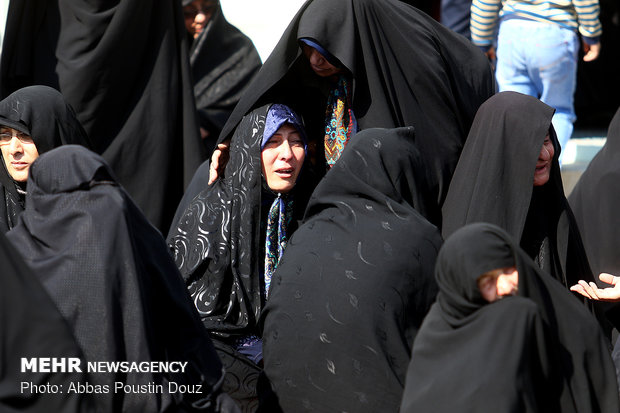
point(579, 15)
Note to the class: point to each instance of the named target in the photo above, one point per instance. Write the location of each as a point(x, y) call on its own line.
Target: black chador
point(354, 283)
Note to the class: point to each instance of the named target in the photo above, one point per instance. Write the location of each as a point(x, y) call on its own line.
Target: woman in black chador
point(508, 175)
point(503, 336)
point(124, 67)
point(355, 282)
point(230, 237)
point(595, 201)
point(110, 274)
point(33, 120)
point(350, 65)
point(223, 62)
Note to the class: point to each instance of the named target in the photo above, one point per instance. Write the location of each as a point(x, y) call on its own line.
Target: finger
point(212, 175)
point(214, 167)
point(607, 278)
point(588, 289)
point(220, 153)
point(212, 172)
point(594, 291)
point(583, 289)
point(579, 289)
point(224, 146)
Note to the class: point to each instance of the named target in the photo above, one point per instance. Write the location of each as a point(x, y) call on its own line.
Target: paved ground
point(581, 148)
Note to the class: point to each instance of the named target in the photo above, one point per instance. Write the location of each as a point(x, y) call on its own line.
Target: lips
point(284, 172)
point(19, 165)
point(542, 168)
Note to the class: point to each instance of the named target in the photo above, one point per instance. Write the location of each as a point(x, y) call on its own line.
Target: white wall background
point(263, 21)
point(4, 9)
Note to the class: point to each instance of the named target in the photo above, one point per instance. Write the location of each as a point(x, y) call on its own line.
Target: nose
point(15, 146)
point(200, 17)
point(286, 152)
point(504, 286)
point(546, 153)
point(316, 58)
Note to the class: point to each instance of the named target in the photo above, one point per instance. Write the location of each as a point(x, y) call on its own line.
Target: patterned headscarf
point(277, 116)
point(281, 210)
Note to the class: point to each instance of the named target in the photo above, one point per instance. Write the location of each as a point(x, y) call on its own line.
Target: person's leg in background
point(558, 76)
point(512, 70)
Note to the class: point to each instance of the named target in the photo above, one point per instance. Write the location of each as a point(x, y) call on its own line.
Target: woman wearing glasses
point(18, 152)
point(33, 120)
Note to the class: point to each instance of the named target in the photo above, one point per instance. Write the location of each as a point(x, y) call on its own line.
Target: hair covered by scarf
point(277, 116)
point(281, 210)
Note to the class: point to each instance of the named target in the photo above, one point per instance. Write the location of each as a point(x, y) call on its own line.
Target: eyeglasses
point(6, 137)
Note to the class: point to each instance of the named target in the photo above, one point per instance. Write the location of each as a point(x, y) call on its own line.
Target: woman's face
point(197, 14)
point(282, 158)
point(319, 63)
point(543, 166)
point(18, 152)
point(499, 283)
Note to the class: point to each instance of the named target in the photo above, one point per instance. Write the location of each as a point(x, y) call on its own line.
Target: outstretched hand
point(592, 291)
point(219, 159)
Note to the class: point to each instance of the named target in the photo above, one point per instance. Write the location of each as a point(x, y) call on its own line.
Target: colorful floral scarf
point(278, 220)
point(340, 123)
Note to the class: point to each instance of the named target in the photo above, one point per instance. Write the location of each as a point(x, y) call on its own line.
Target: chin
point(541, 181)
point(283, 189)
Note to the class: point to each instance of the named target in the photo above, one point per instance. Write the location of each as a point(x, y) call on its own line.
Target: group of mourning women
point(306, 268)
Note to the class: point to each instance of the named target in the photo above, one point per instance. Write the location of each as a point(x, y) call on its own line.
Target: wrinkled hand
point(219, 159)
point(593, 292)
point(591, 52)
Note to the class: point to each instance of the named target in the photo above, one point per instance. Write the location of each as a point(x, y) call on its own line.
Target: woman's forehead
point(287, 127)
point(8, 129)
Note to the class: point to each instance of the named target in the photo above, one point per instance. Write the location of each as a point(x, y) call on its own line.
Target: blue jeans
point(540, 60)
